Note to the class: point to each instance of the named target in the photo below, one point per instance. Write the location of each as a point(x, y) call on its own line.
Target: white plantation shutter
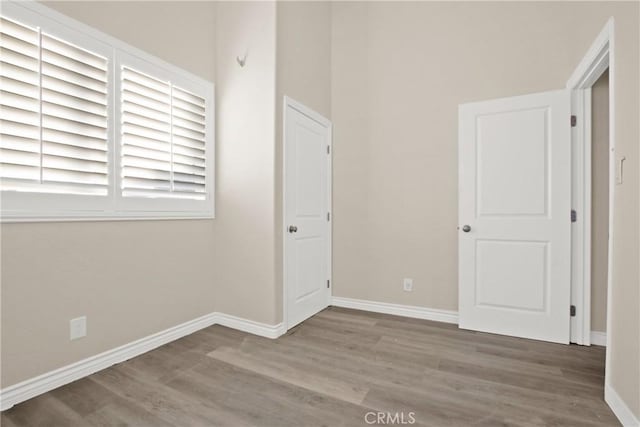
point(163, 139)
point(53, 117)
point(19, 105)
point(92, 128)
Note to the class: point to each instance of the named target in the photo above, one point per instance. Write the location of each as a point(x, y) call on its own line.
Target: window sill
point(102, 216)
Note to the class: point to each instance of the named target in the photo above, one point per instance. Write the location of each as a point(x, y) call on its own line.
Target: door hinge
point(328, 282)
point(574, 215)
point(328, 149)
point(574, 121)
point(572, 311)
point(328, 216)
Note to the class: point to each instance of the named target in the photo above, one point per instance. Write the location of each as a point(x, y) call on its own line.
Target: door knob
point(293, 229)
point(466, 228)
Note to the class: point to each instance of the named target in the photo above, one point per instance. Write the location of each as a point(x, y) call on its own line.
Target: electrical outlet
point(407, 285)
point(77, 328)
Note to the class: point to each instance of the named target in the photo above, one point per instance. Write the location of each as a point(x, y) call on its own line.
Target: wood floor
point(333, 370)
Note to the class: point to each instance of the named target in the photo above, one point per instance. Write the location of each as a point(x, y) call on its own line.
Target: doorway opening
point(599, 207)
point(590, 294)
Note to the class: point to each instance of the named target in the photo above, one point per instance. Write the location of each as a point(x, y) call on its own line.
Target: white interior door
point(515, 216)
point(307, 186)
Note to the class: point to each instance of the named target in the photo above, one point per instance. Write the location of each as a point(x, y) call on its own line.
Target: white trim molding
point(619, 408)
point(599, 338)
point(250, 326)
point(581, 227)
point(597, 59)
point(601, 55)
point(437, 315)
point(48, 381)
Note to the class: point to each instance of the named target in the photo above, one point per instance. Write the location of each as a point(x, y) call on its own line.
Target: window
point(93, 128)
point(163, 145)
point(54, 114)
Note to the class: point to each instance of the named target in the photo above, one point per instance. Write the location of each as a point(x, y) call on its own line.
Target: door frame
point(598, 58)
point(319, 118)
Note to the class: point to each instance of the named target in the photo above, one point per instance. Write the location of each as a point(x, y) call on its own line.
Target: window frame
point(48, 207)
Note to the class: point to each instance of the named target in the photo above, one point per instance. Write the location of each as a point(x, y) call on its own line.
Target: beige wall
point(245, 96)
point(599, 201)
point(625, 290)
point(399, 72)
point(304, 74)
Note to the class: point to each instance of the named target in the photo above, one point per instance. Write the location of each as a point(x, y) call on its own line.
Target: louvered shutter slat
point(145, 173)
point(145, 81)
point(66, 138)
point(20, 157)
point(78, 79)
point(186, 160)
point(70, 101)
point(13, 142)
point(18, 59)
point(149, 124)
point(74, 127)
point(24, 171)
point(188, 115)
point(146, 163)
point(132, 183)
point(188, 124)
point(9, 85)
point(18, 31)
point(74, 66)
point(75, 115)
point(185, 187)
point(19, 129)
point(135, 101)
point(74, 152)
point(188, 151)
point(73, 89)
point(189, 169)
point(154, 93)
point(188, 133)
point(143, 142)
point(73, 177)
point(57, 161)
point(147, 153)
point(129, 127)
point(188, 178)
point(146, 110)
point(13, 100)
point(18, 115)
point(67, 50)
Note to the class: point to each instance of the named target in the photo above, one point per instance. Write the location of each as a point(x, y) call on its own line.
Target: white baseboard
point(619, 408)
point(32, 387)
point(599, 338)
point(437, 315)
point(249, 326)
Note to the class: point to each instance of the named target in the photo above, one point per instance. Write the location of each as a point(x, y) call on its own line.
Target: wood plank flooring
point(332, 370)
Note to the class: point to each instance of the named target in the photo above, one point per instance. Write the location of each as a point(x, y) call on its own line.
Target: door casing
point(598, 58)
